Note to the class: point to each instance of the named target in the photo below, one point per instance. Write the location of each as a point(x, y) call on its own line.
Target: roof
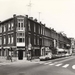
point(6, 20)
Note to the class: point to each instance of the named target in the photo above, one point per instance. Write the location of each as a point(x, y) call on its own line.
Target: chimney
point(27, 16)
point(44, 24)
point(31, 18)
point(35, 19)
point(14, 15)
point(40, 22)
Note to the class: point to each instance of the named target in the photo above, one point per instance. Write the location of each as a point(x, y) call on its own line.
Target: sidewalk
point(4, 61)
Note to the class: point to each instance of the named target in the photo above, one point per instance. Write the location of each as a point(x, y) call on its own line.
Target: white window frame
point(0, 28)
point(9, 26)
point(29, 28)
point(4, 28)
point(34, 27)
point(38, 41)
point(34, 40)
point(0, 40)
point(12, 25)
point(4, 40)
point(12, 39)
point(9, 41)
point(20, 21)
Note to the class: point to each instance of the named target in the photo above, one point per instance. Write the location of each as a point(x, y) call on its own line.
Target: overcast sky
point(57, 14)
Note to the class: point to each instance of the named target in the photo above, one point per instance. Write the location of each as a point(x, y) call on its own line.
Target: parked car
point(67, 54)
point(46, 57)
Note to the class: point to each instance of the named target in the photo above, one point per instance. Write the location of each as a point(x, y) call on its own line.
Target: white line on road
point(73, 66)
point(65, 66)
point(53, 63)
point(41, 62)
point(58, 65)
point(47, 63)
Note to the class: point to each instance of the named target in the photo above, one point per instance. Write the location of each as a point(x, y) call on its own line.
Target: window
point(43, 30)
point(34, 40)
point(0, 28)
point(0, 40)
point(20, 25)
point(29, 26)
point(29, 40)
point(34, 27)
point(4, 40)
point(8, 39)
point(12, 25)
point(37, 41)
point(9, 26)
point(4, 28)
point(12, 39)
point(20, 40)
point(39, 29)
point(22, 34)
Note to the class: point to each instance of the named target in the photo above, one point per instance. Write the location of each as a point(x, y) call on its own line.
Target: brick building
point(23, 33)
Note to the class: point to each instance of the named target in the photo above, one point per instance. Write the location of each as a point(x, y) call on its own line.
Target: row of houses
point(23, 33)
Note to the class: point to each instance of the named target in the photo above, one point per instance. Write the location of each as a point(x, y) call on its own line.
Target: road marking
point(65, 66)
point(58, 65)
point(73, 66)
point(47, 63)
point(41, 62)
point(51, 64)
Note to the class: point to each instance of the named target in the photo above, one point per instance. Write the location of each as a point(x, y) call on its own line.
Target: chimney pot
point(31, 18)
point(27, 16)
point(35, 20)
point(14, 15)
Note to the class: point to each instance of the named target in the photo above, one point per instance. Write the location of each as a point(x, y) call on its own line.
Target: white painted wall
point(21, 44)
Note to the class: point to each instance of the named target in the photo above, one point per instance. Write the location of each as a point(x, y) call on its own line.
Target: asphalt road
point(61, 66)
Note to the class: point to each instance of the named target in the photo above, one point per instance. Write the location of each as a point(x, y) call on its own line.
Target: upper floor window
point(20, 25)
point(21, 34)
point(4, 40)
point(29, 28)
point(9, 27)
point(34, 27)
point(12, 39)
point(34, 40)
point(21, 40)
point(39, 29)
point(0, 40)
point(29, 39)
point(43, 31)
point(38, 41)
point(9, 39)
point(12, 25)
point(0, 28)
point(4, 27)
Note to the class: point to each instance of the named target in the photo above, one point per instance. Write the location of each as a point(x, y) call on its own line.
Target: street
point(61, 66)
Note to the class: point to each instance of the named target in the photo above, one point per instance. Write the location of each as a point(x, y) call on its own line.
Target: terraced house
point(21, 35)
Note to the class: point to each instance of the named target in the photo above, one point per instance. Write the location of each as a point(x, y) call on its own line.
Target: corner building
point(24, 34)
point(12, 36)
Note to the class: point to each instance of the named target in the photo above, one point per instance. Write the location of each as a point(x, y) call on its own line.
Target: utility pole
point(29, 8)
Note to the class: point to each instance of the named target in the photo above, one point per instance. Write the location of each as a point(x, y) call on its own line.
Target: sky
point(57, 14)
